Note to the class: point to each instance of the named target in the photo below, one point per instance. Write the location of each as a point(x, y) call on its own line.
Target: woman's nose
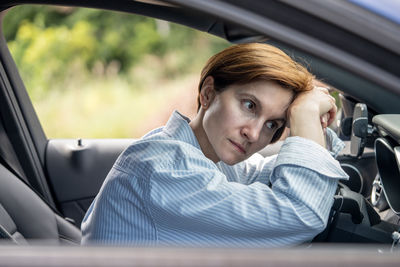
point(252, 131)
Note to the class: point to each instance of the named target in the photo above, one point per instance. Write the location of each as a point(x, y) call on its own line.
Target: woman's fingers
point(317, 100)
point(328, 117)
point(329, 109)
point(323, 89)
point(324, 120)
point(332, 114)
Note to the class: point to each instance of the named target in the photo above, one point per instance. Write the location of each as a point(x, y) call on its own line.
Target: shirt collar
point(178, 128)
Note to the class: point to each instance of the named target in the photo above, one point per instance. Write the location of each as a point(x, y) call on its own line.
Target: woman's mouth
point(238, 147)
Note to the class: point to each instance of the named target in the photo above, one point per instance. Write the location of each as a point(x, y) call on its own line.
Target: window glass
point(385, 8)
point(101, 74)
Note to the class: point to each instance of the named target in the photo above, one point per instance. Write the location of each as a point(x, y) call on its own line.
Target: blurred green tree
point(52, 45)
point(101, 74)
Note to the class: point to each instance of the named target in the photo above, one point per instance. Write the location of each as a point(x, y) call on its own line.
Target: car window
point(91, 76)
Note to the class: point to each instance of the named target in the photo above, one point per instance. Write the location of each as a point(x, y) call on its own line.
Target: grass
point(112, 106)
point(102, 103)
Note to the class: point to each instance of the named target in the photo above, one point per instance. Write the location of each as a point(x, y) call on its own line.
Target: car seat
point(25, 217)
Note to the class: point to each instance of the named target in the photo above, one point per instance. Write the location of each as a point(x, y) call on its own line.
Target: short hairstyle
point(250, 62)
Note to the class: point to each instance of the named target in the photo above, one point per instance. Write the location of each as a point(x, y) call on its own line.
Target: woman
point(201, 182)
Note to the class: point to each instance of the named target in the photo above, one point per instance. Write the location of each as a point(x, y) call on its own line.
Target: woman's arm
point(310, 113)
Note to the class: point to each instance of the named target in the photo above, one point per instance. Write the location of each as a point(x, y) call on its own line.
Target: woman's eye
point(271, 125)
point(250, 105)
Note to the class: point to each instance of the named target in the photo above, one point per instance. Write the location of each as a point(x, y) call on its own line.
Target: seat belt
point(9, 160)
point(4, 234)
point(5, 164)
point(8, 156)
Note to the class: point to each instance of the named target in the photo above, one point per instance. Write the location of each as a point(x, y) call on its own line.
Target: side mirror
point(359, 130)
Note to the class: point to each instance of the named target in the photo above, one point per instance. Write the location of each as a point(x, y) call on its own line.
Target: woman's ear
point(207, 92)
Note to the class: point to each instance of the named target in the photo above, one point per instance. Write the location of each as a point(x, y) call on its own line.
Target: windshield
point(385, 8)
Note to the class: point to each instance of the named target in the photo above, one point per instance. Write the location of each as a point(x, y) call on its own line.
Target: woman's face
point(242, 119)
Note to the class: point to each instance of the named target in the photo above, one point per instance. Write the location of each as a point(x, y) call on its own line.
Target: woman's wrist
point(307, 124)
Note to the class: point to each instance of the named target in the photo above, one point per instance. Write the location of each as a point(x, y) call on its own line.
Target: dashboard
point(367, 206)
point(387, 153)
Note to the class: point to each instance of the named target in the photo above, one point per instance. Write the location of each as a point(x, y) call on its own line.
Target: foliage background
point(100, 74)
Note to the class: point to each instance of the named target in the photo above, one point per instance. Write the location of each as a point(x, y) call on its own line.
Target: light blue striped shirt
point(162, 190)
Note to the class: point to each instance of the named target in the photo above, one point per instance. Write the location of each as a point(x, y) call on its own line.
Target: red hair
point(246, 63)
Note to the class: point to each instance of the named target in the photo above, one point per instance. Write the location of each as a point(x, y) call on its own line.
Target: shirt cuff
point(333, 142)
point(302, 152)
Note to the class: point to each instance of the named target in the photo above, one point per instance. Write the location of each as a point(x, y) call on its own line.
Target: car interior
point(46, 185)
point(24, 215)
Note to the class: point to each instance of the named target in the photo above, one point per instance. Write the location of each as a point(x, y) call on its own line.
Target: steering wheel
point(345, 201)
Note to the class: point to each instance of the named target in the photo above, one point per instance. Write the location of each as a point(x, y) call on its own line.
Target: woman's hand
point(310, 113)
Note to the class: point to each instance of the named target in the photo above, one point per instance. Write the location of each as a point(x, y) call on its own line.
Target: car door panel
point(77, 168)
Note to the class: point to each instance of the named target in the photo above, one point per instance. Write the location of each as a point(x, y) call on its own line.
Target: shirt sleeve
point(333, 142)
point(259, 169)
point(199, 203)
